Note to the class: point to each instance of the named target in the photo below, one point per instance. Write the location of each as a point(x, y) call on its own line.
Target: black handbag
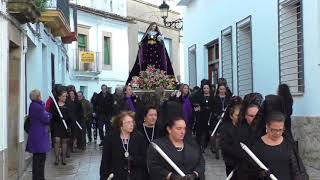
point(26, 125)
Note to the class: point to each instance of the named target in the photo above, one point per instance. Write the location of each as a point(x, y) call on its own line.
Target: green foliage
point(41, 4)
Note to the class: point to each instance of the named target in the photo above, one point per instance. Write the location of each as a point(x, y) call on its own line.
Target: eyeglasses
point(250, 115)
point(276, 130)
point(127, 122)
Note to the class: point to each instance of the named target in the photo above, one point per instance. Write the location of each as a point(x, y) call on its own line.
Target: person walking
point(124, 152)
point(104, 103)
point(87, 114)
point(184, 153)
point(60, 133)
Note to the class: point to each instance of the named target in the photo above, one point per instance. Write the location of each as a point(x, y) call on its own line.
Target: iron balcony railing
point(86, 61)
point(61, 5)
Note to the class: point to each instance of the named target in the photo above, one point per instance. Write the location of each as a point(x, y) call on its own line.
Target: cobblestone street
point(85, 166)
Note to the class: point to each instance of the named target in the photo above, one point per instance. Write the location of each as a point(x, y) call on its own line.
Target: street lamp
point(164, 8)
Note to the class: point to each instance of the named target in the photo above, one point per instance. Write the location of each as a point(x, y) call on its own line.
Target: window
point(291, 70)
point(106, 51)
point(213, 61)
point(168, 45)
point(226, 56)
point(192, 65)
point(82, 42)
point(244, 57)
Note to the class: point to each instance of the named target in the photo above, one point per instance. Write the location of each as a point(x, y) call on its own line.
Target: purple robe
point(38, 138)
point(151, 52)
point(130, 104)
point(187, 109)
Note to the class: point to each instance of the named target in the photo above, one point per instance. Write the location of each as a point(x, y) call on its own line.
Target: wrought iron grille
point(290, 41)
point(226, 56)
point(244, 57)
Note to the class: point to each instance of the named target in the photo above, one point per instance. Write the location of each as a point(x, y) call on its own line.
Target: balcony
point(23, 10)
point(86, 64)
point(56, 17)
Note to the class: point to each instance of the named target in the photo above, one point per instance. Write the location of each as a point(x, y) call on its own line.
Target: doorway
point(13, 109)
point(53, 80)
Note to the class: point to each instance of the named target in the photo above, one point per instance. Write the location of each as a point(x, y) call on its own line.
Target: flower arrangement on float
point(152, 78)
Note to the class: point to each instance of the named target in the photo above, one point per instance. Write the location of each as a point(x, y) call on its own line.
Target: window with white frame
point(291, 70)
point(226, 56)
point(244, 57)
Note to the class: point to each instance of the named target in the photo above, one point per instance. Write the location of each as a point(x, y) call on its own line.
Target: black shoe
point(100, 144)
point(63, 163)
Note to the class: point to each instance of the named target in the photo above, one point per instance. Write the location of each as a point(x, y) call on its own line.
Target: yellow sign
point(87, 57)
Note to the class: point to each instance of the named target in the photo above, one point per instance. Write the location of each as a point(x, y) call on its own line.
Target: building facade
point(101, 54)
point(256, 46)
point(33, 56)
point(145, 12)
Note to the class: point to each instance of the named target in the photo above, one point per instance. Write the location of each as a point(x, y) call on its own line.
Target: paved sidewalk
point(86, 165)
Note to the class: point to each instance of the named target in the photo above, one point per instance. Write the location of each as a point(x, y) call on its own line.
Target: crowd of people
point(183, 124)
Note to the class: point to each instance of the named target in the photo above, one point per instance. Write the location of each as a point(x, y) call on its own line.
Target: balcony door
point(213, 61)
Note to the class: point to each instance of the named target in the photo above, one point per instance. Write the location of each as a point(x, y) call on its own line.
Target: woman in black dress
point(275, 151)
point(60, 133)
point(184, 153)
point(229, 133)
point(76, 115)
point(151, 128)
point(124, 152)
point(220, 103)
point(182, 97)
point(284, 92)
point(204, 115)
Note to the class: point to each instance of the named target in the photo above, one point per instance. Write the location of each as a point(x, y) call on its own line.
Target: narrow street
point(86, 165)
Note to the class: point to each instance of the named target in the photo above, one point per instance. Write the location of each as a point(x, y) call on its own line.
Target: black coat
point(158, 132)
point(76, 114)
point(113, 160)
point(159, 168)
point(104, 104)
point(248, 135)
point(56, 124)
point(117, 104)
point(228, 142)
point(218, 105)
point(206, 112)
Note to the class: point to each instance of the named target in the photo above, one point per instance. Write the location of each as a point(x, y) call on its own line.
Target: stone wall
point(307, 131)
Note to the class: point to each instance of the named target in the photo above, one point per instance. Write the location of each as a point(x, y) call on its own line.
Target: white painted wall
point(112, 6)
point(38, 60)
point(204, 20)
point(119, 51)
point(4, 78)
